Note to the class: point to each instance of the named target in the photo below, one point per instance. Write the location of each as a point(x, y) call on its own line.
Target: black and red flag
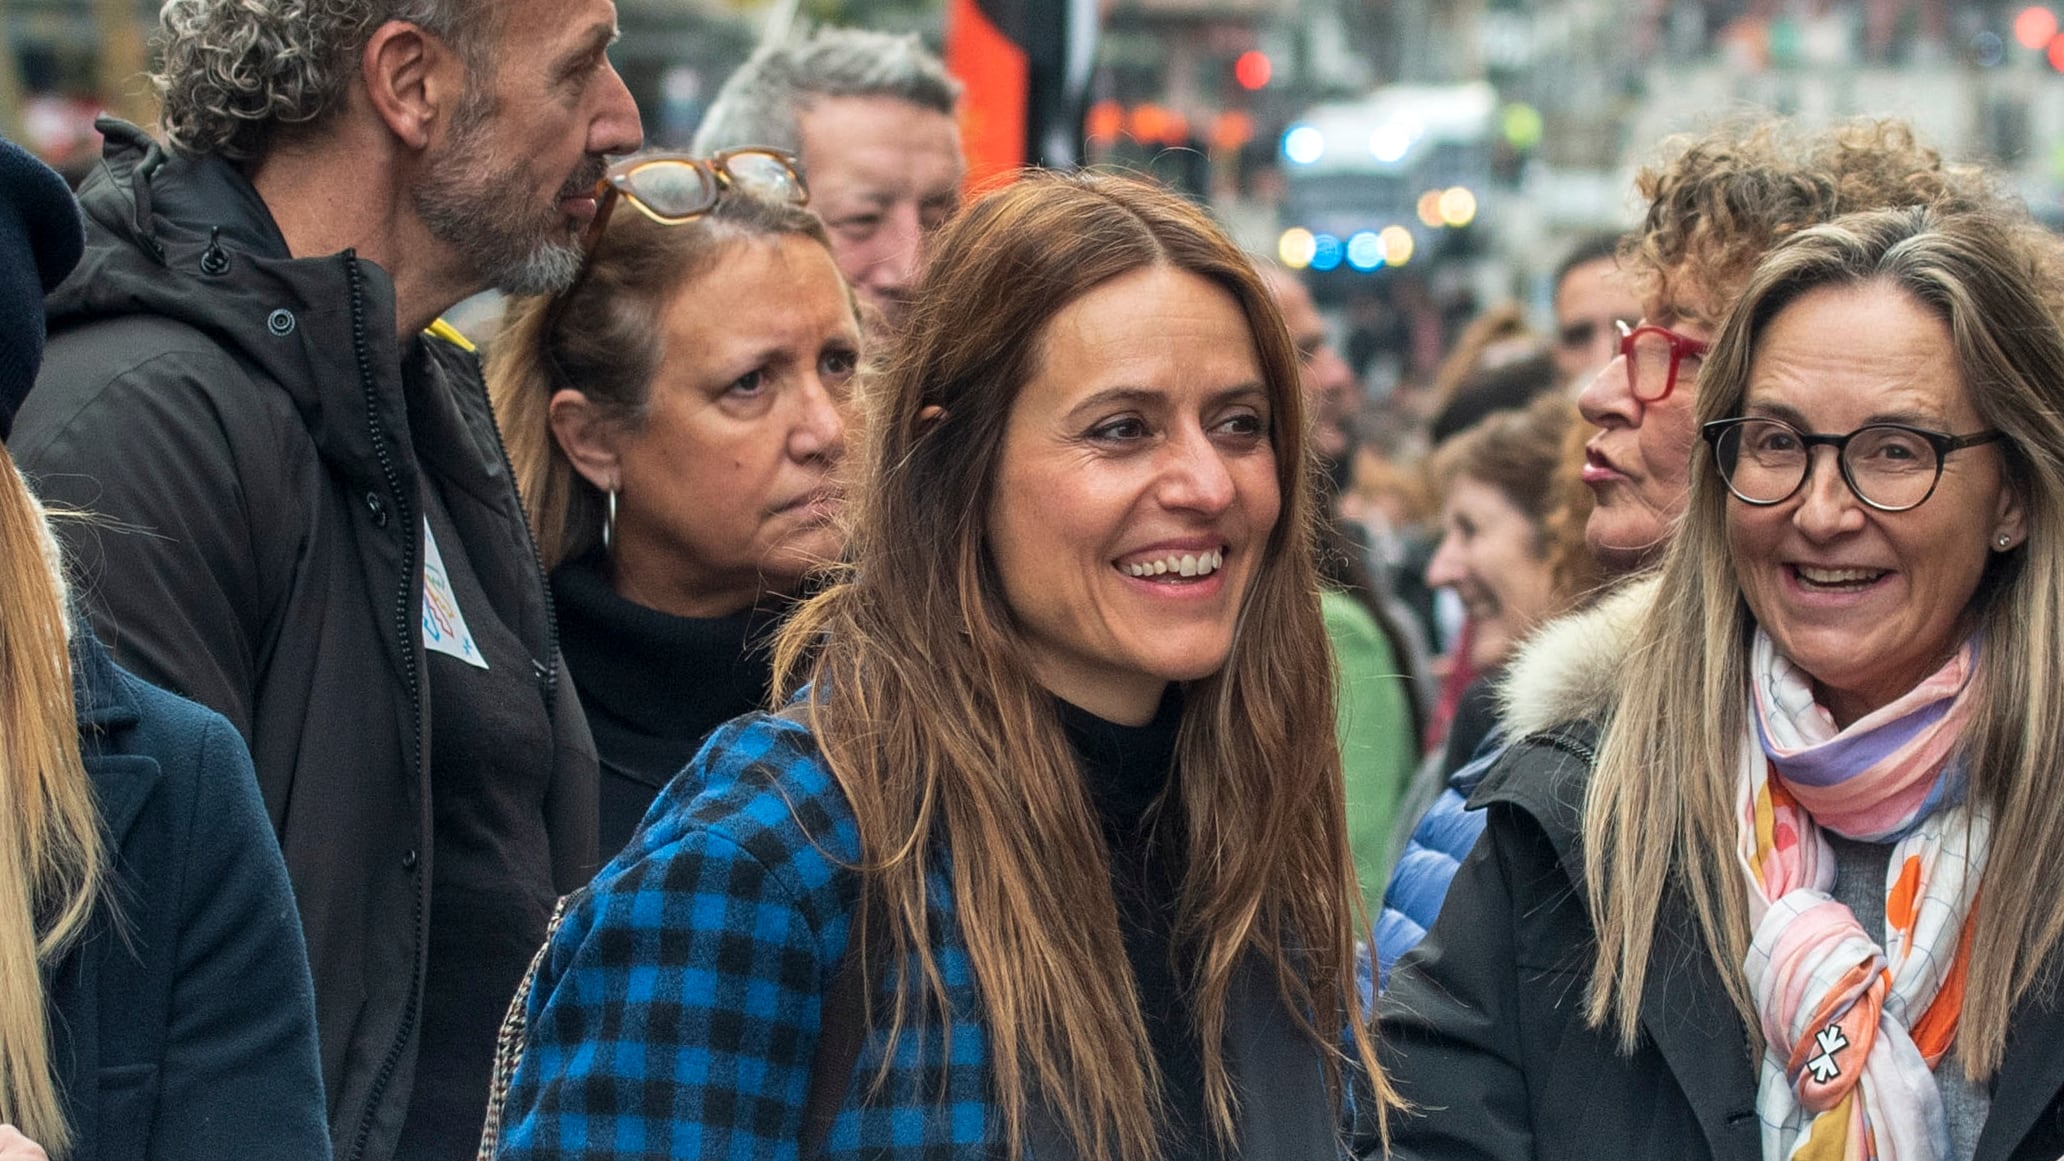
point(1026, 65)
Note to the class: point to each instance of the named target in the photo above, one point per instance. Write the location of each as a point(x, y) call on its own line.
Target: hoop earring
point(609, 521)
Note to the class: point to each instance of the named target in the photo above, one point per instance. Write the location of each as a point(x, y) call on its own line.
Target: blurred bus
point(1389, 180)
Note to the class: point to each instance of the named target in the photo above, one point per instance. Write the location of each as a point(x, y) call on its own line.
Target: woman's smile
point(1136, 490)
point(1866, 601)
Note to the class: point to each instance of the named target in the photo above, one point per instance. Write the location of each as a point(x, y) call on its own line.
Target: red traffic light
point(1253, 69)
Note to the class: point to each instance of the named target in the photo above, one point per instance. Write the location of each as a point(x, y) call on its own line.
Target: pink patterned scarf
point(1854, 1022)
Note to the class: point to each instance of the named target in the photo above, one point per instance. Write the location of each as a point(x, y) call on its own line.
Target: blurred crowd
point(813, 668)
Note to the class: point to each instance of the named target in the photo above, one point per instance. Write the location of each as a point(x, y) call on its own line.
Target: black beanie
point(41, 239)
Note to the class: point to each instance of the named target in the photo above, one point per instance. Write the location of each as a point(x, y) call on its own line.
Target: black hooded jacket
point(238, 422)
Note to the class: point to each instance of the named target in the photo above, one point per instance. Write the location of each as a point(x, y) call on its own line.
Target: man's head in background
point(1330, 390)
point(871, 117)
point(1591, 294)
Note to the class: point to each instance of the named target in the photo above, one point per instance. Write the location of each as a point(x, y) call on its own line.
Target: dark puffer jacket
point(240, 421)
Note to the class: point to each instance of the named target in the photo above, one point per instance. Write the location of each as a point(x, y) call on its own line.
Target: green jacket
point(1377, 754)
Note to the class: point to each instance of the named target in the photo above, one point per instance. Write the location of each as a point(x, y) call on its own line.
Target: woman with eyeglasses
point(675, 422)
point(1813, 911)
point(1717, 203)
point(1048, 856)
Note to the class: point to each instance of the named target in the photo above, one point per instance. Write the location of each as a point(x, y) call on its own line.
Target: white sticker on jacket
point(444, 626)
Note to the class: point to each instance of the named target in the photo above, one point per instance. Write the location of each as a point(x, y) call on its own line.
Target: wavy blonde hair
point(52, 858)
point(1660, 811)
point(953, 757)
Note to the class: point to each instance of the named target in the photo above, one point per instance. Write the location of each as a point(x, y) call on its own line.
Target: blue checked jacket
point(676, 1010)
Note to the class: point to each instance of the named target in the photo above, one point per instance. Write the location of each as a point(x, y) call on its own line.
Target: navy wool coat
point(183, 1023)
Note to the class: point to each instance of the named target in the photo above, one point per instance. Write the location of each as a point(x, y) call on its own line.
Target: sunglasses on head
point(673, 188)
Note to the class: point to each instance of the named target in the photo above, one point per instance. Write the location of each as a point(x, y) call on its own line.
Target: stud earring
point(2005, 542)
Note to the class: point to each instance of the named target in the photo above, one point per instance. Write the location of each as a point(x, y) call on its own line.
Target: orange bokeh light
point(1105, 120)
point(1231, 130)
point(1158, 125)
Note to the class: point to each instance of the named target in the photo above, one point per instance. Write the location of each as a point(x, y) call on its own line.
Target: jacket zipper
point(550, 677)
point(403, 620)
point(1560, 740)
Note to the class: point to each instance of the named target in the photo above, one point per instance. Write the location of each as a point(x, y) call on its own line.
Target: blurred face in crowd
point(1329, 386)
point(511, 186)
point(1135, 491)
point(726, 489)
point(1867, 602)
point(1638, 465)
point(1493, 555)
point(1589, 300)
point(884, 175)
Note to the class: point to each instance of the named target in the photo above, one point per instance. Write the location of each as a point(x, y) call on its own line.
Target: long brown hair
point(1660, 812)
point(603, 338)
point(953, 757)
point(52, 861)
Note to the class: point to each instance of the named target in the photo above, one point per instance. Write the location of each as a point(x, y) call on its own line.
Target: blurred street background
point(1419, 158)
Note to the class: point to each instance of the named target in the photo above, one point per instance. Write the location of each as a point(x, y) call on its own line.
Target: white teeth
point(1189, 565)
point(1838, 576)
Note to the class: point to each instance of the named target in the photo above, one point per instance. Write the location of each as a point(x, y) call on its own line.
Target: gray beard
point(548, 268)
point(482, 210)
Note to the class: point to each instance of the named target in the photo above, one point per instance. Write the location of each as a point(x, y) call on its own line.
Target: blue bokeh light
point(1304, 144)
point(1365, 251)
point(1326, 252)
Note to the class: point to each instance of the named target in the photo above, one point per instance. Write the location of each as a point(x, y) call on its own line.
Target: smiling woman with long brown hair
point(1060, 788)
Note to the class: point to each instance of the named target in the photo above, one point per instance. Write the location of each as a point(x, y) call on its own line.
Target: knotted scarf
point(1855, 1024)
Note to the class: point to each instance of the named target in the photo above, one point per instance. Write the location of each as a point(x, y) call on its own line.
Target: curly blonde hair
point(235, 74)
point(1721, 200)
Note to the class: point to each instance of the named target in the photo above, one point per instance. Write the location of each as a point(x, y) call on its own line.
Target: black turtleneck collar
point(1127, 767)
point(655, 674)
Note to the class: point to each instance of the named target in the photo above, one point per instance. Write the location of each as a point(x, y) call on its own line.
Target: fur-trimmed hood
point(1570, 669)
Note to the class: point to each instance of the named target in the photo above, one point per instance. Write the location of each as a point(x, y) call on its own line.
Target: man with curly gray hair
point(310, 525)
point(871, 116)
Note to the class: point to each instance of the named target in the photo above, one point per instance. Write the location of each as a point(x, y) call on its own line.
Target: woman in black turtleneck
point(674, 421)
point(1058, 789)
point(653, 684)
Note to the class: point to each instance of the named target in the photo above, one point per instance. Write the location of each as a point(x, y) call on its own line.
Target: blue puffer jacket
point(1443, 838)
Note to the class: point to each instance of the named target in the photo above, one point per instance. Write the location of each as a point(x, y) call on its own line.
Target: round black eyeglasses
point(1889, 466)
